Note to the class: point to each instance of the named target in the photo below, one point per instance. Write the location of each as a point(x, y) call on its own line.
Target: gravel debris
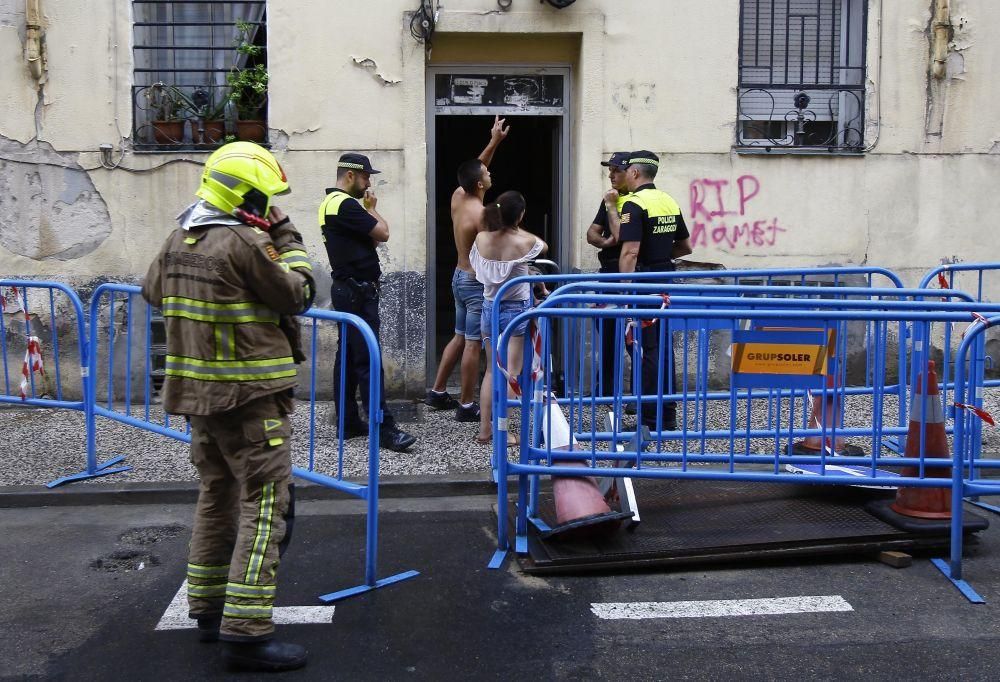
point(44, 444)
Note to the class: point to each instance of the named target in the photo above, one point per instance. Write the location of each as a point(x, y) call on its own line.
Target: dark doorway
point(527, 161)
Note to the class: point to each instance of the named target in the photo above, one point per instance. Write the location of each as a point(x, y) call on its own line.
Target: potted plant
point(166, 104)
point(208, 126)
point(248, 85)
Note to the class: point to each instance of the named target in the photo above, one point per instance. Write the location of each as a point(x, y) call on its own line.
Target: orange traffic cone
point(581, 510)
point(820, 418)
point(926, 503)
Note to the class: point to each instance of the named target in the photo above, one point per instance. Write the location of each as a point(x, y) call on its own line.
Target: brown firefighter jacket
point(223, 290)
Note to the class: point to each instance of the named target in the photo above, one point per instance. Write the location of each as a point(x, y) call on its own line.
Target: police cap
point(645, 157)
point(618, 160)
point(356, 162)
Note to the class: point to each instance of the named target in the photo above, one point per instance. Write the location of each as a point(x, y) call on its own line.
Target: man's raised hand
point(499, 132)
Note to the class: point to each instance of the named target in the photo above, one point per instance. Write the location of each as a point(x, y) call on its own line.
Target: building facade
point(793, 133)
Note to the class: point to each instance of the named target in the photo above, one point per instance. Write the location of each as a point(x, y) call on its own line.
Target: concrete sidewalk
point(86, 586)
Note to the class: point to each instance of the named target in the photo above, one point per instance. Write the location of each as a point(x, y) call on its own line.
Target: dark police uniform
point(608, 258)
point(652, 218)
point(354, 264)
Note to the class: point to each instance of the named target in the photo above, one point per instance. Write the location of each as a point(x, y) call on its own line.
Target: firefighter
point(228, 281)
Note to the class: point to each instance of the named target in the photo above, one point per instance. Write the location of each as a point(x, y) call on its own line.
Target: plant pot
point(168, 132)
point(214, 132)
point(251, 131)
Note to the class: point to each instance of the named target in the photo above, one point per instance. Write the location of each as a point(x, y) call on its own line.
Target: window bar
point(819, 32)
point(846, 58)
point(833, 40)
point(787, 37)
point(770, 47)
point(756, 33)
point(802, 49)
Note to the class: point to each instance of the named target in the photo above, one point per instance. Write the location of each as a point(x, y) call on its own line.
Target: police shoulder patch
point(271, 251)
point(626, 218)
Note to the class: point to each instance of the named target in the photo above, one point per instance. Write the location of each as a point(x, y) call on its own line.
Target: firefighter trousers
point(243, 458)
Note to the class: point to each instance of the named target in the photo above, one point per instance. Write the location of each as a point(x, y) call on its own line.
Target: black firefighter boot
point(267, 656)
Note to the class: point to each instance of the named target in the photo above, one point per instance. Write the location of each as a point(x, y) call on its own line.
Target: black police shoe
point(467, 414)
point(396, 440)
point(359, 430)
point(440, 401)
point(208, 628)
point(269, 656)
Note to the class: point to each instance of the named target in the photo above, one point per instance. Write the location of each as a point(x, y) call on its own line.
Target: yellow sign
point(779, 358)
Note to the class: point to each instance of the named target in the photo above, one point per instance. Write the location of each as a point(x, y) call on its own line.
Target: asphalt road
point(72, 611)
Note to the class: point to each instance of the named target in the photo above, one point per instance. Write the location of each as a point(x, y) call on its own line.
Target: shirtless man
point(467, 220)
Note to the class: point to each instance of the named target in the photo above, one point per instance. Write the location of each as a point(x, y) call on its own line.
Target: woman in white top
point(499, 254)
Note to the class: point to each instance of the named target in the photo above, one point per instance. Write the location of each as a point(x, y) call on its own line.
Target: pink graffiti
point(710, 224)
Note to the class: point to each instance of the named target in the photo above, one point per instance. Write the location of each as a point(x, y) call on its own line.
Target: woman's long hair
point(505, 212)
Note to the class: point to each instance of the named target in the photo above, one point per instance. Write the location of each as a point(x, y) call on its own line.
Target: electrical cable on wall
point(423, 22)
point(878, 84)
point(66, 166)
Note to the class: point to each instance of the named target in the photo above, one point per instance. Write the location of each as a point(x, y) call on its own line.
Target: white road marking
point(176, 615)
point(719, 607)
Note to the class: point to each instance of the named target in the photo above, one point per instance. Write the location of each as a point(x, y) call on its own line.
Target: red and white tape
point(979, 412)
point(33, 352)
point(32, 363)
point(632, 324)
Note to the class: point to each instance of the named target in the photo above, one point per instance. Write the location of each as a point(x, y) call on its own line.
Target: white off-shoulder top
point(493, 273)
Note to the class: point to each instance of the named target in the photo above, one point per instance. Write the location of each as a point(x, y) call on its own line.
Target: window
point(802, 74)
point(200, 73)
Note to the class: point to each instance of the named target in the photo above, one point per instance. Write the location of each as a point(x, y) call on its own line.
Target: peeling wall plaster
point(50, 211)
point(370, 65)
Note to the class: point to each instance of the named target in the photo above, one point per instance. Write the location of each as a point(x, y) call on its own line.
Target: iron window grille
point(185, 53)
point(802, 75)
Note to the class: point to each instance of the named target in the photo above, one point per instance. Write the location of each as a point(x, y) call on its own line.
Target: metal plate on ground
point(688, 522)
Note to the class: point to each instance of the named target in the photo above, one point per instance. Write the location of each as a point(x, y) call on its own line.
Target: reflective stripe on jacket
point(222, 290)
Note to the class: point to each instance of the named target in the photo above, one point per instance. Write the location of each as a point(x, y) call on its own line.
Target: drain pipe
point(940, 38)
point(33, 52)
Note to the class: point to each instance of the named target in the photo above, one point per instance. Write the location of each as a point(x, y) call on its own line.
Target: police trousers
point(658, 371)
point(243, 458)
point(658, 366)
point(361, 299)
point(607, 328)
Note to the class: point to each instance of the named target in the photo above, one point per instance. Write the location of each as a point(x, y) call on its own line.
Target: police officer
point(652, 233)
point(351, 230)
point(223, 281)
point(599, 234)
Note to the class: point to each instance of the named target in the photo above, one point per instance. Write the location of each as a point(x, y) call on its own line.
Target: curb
point(186, 492)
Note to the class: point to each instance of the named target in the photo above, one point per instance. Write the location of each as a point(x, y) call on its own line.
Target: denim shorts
point(508, 311)
point(468, 293)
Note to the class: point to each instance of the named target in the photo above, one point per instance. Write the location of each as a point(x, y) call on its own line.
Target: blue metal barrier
point(944, 277)
point(967, 478)
point(121, 409)
point(22, 290)
point(972, 278)
point(949, 276)
point(743, 449)
point(799, 277)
